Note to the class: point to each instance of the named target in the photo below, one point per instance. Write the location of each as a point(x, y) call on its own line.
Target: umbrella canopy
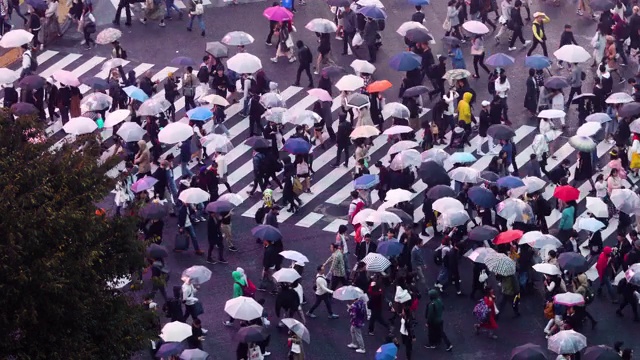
point(380, 217)
point(572, 54)
point(388, 351)
point(489, 176)
point(533, 184)
point(350, 82)
point(193, 196)
point(272, 100)
point(216, 143)
point(198, 274)
point(537, 62)
point(566, 193)
point(632, 275)
point(634, 126)
point(500, 264)
point(219, 206)
point(170, 348)
point(630, 109)
point(592, 128)
point(482, 197)
point(258, 142)
point(447, 204)
point(320, 25)
point(401, 146)
point(358, 101)
point(454, 218)
point(332, 70)
point(464, 174)
point(153, 210)
point(376, 3)
point(135, 93)
point(475, 27)
point(97, 102)
point(406, 26)
point(405, 159)
point(556, 83)
point(200, 113)
point(462, 158)
point(217, 49)
point(528, 352)
point(116, 117)
point(510, 182)
point(294, 256)
point(569, 299)
point(602, 5)
point(501, 132)
point(590, 224)
point(243, 308)
point(436, 155)
point(364, 131)
point(153, 107)
point(619, 98)
point(376, 262)
point(418, 36)
point(297, 328)
point(237, 38)
point(548, 269)
point(275, 115)
point(245, 63)
point(600, 352)
point(415, 91)
point(366, 181)
point(362, 215)
point(362, 66)
point(480, 254)
point(625, 200)
point(252, 334)
point(567, 342)
point(8, 76)
point(175, 331)
point(297, 146)
point(551, 114)
point(286, 275)
point(399, 129)
point(144, 184)
point(24, 109)
point(456, 74)
point(80, 125)
point(432, 174)
point(404, 217)
point(175, 132)
point(390, 248)
point(597, 207)
point(278, 13)
point(108, 35)
point(113, 63)
point(398, 195)
point(450, 40)
point(66, 77)
point(483, 233)
point(320, 94)
point(347, 293)
point(32, 81)
point(267, 232)
point(572, 262)
point(500, 60)
point(131, 132)
point(440, 191)
point(515, 210)
point(15, 38)
point(156, 251)
point(305, 117)
point(508, 236)
point(582, 143)
point(235, 199)
point(372, 12)
point(37, 4)
point(598, 117)
point(405, 61)
point(395, 109)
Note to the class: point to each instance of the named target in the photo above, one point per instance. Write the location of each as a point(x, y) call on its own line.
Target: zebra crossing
point(326, 206)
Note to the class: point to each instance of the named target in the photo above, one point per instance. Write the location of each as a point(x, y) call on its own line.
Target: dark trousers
point(88, 39)
point(479, 60)
point(543, 44)
point(254, 123)
point(376, 316)
point(258, 180)
point(347, 37)
point(373, 51)
point(343, 148)
point(337, 280)
point(36, 42)
point(213, 243)
point(123, 4)
point(306, 68)
point(634, 305)
point(574, 91)
point(435, 334)
point(64, 113)
point(190, 310)
point(438, 87)
point(408, 343)
point(272, 26)
point(329, 125)
point(620, 50)
point(171, 111)
point(273, 176)
point(189, 103)
point(509, 299)
point(517, 34)
point(326, 298)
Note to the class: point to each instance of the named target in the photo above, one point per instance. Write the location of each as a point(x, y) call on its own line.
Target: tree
point(57, 254)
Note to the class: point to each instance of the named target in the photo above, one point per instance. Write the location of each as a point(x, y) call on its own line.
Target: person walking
point(369, 35)
point(126, 5)
point(193, 307)
point(239, 283)
point(477, 50)
point(272, 26)
point(575, 82)
point(306, 58)
point(510, 293)
point(376, 302)
point(338, 274)
point(184, 224)
point(489, 323)
point(516, 24)
point(189, 88)
point(214, 235)
point(343, 141)
point(323, 294)
point(435, 322)
point(539, 35)
point(170, 94)
point(285, 42)
point(349, 23)
point(196, 11)
point(358, 315)
point(154, 11)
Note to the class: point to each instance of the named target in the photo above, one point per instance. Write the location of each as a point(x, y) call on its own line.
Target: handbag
point(302, 168)
point(483, 276)
point(198, 309)
point(297, 186)
point(295, 348)
point(289, 42)
point(446, 25)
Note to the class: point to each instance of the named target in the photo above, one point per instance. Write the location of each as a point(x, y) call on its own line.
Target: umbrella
point(107, 36)
point(454, 218)
point(379, 86)
point(24, 109)
point(510, 182)
point(272, 100)
point(235, 199)
point(592, 128)
point(170, 348)
point(258, 142)
point(252, 334)
point(376, 3)
point(216, 143)
point(113, 63)
point(16, 38)
point(380, 217)
point(462, 158)
point(418, 36)
point(305, 117)
point(501, 132)
point(537, 62)
point(37, 4)
point(479, 255)
point(567, 342)
point(199, 114)
point(483, 233)
point(601, 5)
point(533, 184)
point(97, 101)
point(440, 191)
point(597, 207)
point(451, 40)
point(398, 195)
point(566, 193)
point(116, 117)
point(389, 351)
point(634, 126)
point(8, 76)
point(399, 129)
point(362, 66)
point(619, 98)
point(500, 264)
point(332, 70)
point(590, 224)
point(156, 251)
point(347, 293)
point(194, 354)
point(366, 181)
point(582, 143)
point(548, 269)
point(432, 174)
point(286, 275)
point(320, 94)
point(267, 232)
point(175, 132)
point(244, 63)
point(405, 61)
point(482, 197)
point(572, 262)
point(390, 248)
point(294, 255)
point(144, 184)
point(297, 328)
point(135, 93)
point(600, 352)
point(66, 77)
point(32, 82)
point(376, 262)
point(625, 200)
point(175, 331)
point(475, 27)
point(569, 299)
point(278, 13)
point(551, 114)
point(198, 274)
point(364, 131)
point(153, 210)
point(237, 38)
point(153, 107)
point(243, 308)
point(193, 196)
point(321, 26)
point(515, 210)
point(632, 275)
point(358, 101)
point(219, 206)
point(436, 155)
point(456, 74)
point(275, 115)
point(556, 83)
point(183, 61)
point(217, 49)
point(404, 217)
point(130, 132)
point(401, 146)
point(372, 12)
point(405, 159)
point(500, 60)
point(528, 352)
point(572, 54)
point(464, 174)
point(489, 176)
point(406, 26)
point(598, 117)
point(397, 110)
point(415, 91)
point(630, 109)
point(80, 125)
point(507, 237)
point(539, 240)
point(362, 215)
point(350, 83)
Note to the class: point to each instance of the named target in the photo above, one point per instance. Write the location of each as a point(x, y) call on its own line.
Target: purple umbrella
point(143, 184)
point(33, 82)
point(23, 109)
point(170, 348)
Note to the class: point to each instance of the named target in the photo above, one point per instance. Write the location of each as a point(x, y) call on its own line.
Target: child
point(566, 39)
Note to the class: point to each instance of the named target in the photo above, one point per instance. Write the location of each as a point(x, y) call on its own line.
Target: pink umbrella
point(321, 94)
point(143, 184)
point(66, 77)
point(278, 13)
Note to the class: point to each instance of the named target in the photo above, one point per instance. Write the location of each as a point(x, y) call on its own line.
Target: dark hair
point(567, 26)
point(354, 194)
point(342, 229)
point(205, 58)
point(189, 68)
point(532, 72)
point(319, 267)
point(532, 156)
point(299, 43)
point(518, 3)
point(418, 7)
point(553, 253)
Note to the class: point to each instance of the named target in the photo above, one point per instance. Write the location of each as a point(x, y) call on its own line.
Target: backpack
point(359, 206)
point(437, 257)
point(203, 74)
point(481, 311)
point(297, 186)
point(381, 24)
point(199, 9)
point(260, 214)
point(33, 63)
point(248, 290)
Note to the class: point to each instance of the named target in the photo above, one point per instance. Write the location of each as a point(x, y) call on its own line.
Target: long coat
point(531, 96)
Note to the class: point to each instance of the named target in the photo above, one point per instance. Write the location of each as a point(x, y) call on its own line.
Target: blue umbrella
point(500, 60)
point(462, 158)
point(387, 352)
point(372, 12)
point(96, 83)
point(183, 61)
point(136, 93)
point(199, 114)
point(297, 146)
point(37, 4)
point(267, 232)
point(537, 62)
point(405, 61)
point(482, 197)
point(170, 348)
point(366, 181)
point(510, 182)
point(389, 248)
point(419, 2)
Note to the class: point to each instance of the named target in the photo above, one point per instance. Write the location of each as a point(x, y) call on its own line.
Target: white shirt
point(321, 285)
point(545, 127)
point(450, 99)
point(299, 291)
point(52, 9)
point(343, 240)
point(601, 189)
point(403, 327)
point(222, 165)
point(188, 294)
point(501, 89)
point(26, 59)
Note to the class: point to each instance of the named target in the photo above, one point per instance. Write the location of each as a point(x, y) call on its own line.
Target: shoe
point(204, 331)
point(266, 353)
point(116, 23)
point(211, 261)
point(83, 42)
point(463, 41)
point(335, 165)
point(227, 323)
point(579, 12)
point(527, 42)
point(352, 346)
point(622, 81)
point(333, 316)
point(199, 252)
point(360, 351)
point(233, 248)
point(274, 59)
point(268, 43)
point(223, 261)
point(429, 346)
point(144, 21)
point(481, 153)
point(512, 48)
point(296, 84)
point(344, 53)
point(293, 59)
point(371, 333)
point(162, 24)
point(313, 316)
point(202, 33)
point(127, 24)
point(449, 347)
point(188, 29)
point(315, 72)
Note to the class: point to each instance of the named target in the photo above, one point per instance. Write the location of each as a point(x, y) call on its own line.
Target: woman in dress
point(490, 323)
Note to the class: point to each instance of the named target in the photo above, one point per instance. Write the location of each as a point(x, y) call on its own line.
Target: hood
point(583, 280)
point(402, 295)
point(142, 145)
point(467, 97)
point(607, 250)
point(238, 277)
point(433, 294)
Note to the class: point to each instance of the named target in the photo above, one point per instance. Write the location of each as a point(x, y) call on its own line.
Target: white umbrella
point(475, 27)
point(198, 274)
point(294, 255)
point(409, 25)
point(298, 328)
point(175, 331)
point(597, 207)
point(533, 183)
point(480, 254)
point(364, 131)
point(214, 99)
point(589, 224)
point(590, 128)
point(320, 25)
point(626, 201)
point(619, 98)
point(465, 174)
point(396, 109)
point(530, 237)
point(598, 117)
point(15, 38)
point(447, 204)
point(8, 76)
point(116, 117)
point(376, 262)
point(395, 196)
point(569, 299)
point(435, 154)
point(304, 117)
point(386, 217)
point(194, 196)
point(346, 83)
point(362, 215)
point(363, 66)
point(347, 293)
point(401, 146)
point(454, 218)
point(235, 199)
point(548, 269)
point(376, 3)
point(582, 143)
point(80, 125)
point(130, 132)
point(194, 354)
point(153, 107)
point(275, 115)
point(244, 63)
point(515, 210)
point(113, 63)
point(243, 308)
point(567, 341)
point(286, 275)
point(237, 38)
point(66, 77)
point(551, 114)
point(174, 133)
point(216, 143)
point(634, 126)
point(397, 129)
point(405, 159)
point(572, 54)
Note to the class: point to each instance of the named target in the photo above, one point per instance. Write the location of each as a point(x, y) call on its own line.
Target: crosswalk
point(326, 206)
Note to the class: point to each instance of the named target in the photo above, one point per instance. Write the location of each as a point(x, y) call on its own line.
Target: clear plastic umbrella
point(397, 129)
point(198, 274)
point(401, 146)
point(619, 98)
point(320, 25)
point(349, 83)
point(214, 99)
point(97, 101)
point(362, 215)
point(130, 132)
point(304, 117)
point(8, 76)
point(216, 143)
point(567, 342)
point(286, 275)
point(347, 293)
point(533, 184)
point(626, 201)
point(237, 38)
point(548, 269)
point(398, 195)
point(454, 218)
point(405, 159)
point(294, 256)
point(465, 175)
point(409, 25)
point(153, 107)
point(271, 100)
point(572, 54)
point(597, 207)
point(174, 133)
point(235, 199)
point(244, 63)
point(437, 155)
point(590, 128)
point(384, 217)
point(194, 196)
point(363, 66)
point(589, 224)
point(475, 27)
point(15, 38)
point(298, 328)
point(479, 255)
point(80, 126)
point(515, 210)
point(447, 204)
point(397, 110)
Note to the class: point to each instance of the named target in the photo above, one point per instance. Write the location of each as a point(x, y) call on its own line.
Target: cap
point(485, 103)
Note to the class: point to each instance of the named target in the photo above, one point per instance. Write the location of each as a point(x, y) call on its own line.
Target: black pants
point(190, 310)
point(438, 87)
point(517, 34)
point(343, 148)
point(335, 280)
point(326, 298)
point(574, 91)
point(213, 243)
point(634, 306)
point(509, 299)
point(64, 114)
point(254, 123)
point(435, 334)
point(306, 68)
point(479, 60)
point(36, 42)
point(123, 4)
point(373, 51)
point(258, 180)
point(535, 45)
point(171, 111)
point(347, 37)
point(376, 316)
point(273, 176)
point(329, 125)
point(407, 341)
point(189, 103)
point(272, 26)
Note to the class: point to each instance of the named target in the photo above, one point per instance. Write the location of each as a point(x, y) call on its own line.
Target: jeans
point(184, 166)
point(326, 297)
point(373, 50)
point(574, 90)
point(620, 50)
point(356, 337)
point(449, 119)
point(189, 103)
point(171, 5)
point(200, 21)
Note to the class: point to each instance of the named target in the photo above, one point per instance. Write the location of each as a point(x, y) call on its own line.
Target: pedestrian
point(489, 321)
point(452, 22)
point(269, 261)
point(306, 58)
point(566, 38)
point(294, 343)
point(516, 24)
point(285, 42)
point(196, 11)
point(170, 5)
point(338, 274)
point(170, 94)
point(435, 322)
point(51, 23)
point(407, 332)
point(477, 50)
point(505, 8)
point(126, 5)
point(539, 35)
point(323, 294)
point(502, 87)
point(189, 88)
point(370, 37)
point(343, 141)
point(510, 287)
point(214, 235)
point(417, 263)
point(349, 27)
point(606, 272)
point(154, 11)
point(193, 307)
point(358, 315)
point(629, 297)
point(239, 283)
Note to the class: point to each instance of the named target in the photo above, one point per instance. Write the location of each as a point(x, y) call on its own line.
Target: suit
point(364, 248)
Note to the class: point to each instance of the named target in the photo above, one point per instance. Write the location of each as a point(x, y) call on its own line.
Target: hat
point(170, 74)
point(402, 295)
point(538, 13)
point(485, 103)
point(458, 130)
point(273, 85)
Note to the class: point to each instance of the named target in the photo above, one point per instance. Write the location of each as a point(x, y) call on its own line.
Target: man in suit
point(343, 141)
point(365, 247)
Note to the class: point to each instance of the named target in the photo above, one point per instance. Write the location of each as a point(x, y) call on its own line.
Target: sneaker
point(293, 59)
point(527, 42)
point(333, 316)
point(622, 81)
point(352, 346)
point(274, 59)
point(449, 347)
point(481, 153)
point(144, 21)
point(223, 261)
point(371, 333)
point(211, 261)
point(579, 12)
point(266, 353)
point(83, 42)
point(162, 24)
point(202, 33)
point(462, 42)
point(233, 248)
point(313, 316)
point(268, 43)
point(204, 331)
point(360, 351)
point(315, 72)
point(227, 323)
point(512, 48)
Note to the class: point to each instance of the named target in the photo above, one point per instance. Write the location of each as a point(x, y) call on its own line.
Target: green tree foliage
point(57, 255)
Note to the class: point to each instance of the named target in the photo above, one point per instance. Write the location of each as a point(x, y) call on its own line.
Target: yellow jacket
point(464, 109)
point(538, 30)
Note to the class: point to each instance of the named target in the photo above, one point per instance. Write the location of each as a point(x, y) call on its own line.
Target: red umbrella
point(566, 193)
point(507, 237)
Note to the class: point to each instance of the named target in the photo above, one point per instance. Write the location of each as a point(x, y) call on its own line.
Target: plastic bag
point(357, 40)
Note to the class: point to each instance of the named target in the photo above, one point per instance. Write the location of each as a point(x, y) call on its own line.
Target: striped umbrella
point(377, 262)
point(500, 264)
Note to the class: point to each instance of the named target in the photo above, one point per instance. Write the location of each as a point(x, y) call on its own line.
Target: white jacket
point(52, 9)
point(188, 294)
point(321, 285)
point(450, 99)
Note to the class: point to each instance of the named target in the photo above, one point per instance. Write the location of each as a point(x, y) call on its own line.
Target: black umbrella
point(219, 206)
point(338, 3)
point(415, 91)
point(600, 352)
point(96, 83)
point(332, 70)
point(572, 262)
point(23, 109)
point(252, 334)
point(153, 211)
point(630, 109)
point(433, 174)
point(501, 132)
point(556, 82)
point(156, 251)
point(33, 82)
point(601, 5)
point(406, 218)
point(358, 100)
point(258, 142)
point(418, 35)
point(440, 191)
point(37, 4)
point(267, 232)
point(489, 176)
point(483, 233)
point(451, 40)
point(528, 352)
point(217, 49)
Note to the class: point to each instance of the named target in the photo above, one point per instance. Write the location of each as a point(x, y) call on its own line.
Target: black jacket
point(287, 300)
point(214, 233)
point(344, 130)
point(361, 249)
point(516, 19)
point(304, 55)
